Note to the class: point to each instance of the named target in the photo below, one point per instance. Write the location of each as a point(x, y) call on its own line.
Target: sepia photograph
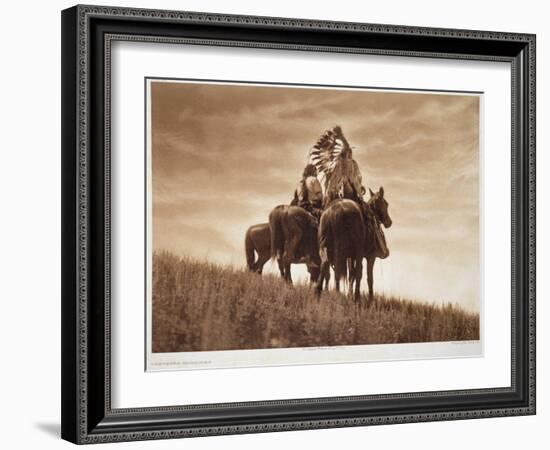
point(302, 224)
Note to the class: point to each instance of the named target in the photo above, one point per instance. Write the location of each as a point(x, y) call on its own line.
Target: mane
point(372, 199)
point(370, 206)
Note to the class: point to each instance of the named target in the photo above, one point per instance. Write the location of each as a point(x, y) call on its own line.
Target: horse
point(341, 239)
point(294, 240)
point(375, 211)
point(257, 240)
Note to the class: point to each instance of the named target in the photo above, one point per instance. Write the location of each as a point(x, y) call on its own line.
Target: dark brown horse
point(257, 241)
point(342, 239)
point(375, 212)
point(294, 240)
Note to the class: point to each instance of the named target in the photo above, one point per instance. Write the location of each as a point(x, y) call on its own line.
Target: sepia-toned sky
point(224, 155)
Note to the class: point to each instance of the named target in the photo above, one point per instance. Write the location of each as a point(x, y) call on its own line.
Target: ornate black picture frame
point(87, 34)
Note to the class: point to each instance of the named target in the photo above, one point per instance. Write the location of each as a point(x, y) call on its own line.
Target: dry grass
point(201, 306)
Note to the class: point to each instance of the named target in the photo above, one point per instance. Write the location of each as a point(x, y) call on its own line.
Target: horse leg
point(284, 267)
point(312, 278)
point(288, 272)
point(351, 274)
point(324, 270)
point(327, 278)
point(281, 265)
point(255, 264)
point(259, 265)
point(340, 269)
point(370, 266)
point(290, 253)
point(357, 276)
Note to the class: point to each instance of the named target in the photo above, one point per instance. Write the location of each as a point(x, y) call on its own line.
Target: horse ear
point(371, 193)
point(381, 191)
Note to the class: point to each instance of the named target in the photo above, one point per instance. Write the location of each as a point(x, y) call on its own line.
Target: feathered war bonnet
point(332, 156)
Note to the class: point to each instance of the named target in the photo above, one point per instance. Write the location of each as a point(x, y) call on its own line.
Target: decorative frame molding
point(87, 34)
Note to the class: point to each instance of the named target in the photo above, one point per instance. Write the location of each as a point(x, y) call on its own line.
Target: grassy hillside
point(202, 306)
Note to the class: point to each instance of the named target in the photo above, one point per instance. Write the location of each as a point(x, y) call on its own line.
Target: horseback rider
point(345, 180)
point(332, 156)
point(308, 194)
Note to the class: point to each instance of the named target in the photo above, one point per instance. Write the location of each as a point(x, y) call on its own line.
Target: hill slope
point(200, 306)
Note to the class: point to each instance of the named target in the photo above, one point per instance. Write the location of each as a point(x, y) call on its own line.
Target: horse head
point(379, 206)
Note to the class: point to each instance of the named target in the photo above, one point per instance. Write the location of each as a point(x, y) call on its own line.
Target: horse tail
point(328, 242)
point(249, 249)
point(325, 232)
point(277, 233)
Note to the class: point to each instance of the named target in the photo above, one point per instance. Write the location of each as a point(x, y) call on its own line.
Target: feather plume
point(331, 155)
point(326, 151)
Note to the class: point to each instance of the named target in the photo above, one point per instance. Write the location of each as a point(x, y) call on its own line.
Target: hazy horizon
point(224, 155)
